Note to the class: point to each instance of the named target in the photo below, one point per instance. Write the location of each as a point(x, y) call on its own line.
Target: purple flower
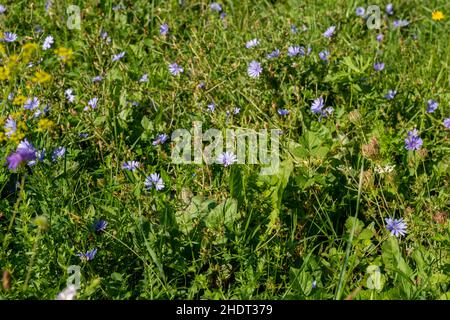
point(83, 135)
point(222, 15)
point(10, 127)
point(317, 105)
point(211, 106)
point(9, 37)
point(283, 112)
point(293, 51)
point(378, 66)
point(380, 37)
point(100, 226)
point(360, 11)
point(413, 141)
point(118, 56)
point(252, 43)
point(328, 111)
point(215, 7)
point(39, 157)
point(144, 78)
point(25, 152)
point(390, 9)
point(14, 160)
point(314, 284)
point(93, 102)
point(88, 256)
point(323, 55)
point(236, 110)
point(227, 158)
point(397, 227)
point(97, 79)
point(58, 153)
point(31, 104)
point(390, 95)
point(294, 28)
point(329, 32)
point(201, 85)
point(69, 95)
point(130, 165)
point(400, 23)
point(160, 139)
point(48, 5)
point(154, 180)
point(2, 8)
point(47, 43)
point(164, 29)
point(432, 105)
point(254, 69)
point(274, 54)
point(175, 69)
point(447, 123)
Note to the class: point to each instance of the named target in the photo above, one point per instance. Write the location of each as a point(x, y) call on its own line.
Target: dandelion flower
point(437, 15)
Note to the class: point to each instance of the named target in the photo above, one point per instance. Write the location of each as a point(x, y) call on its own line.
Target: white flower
point(68, 293)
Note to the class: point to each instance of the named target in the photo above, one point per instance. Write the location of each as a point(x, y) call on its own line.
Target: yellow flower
point(41, 77)
point(64, 54)
point(44, 125)
point(437, 15)
point(19, 100)
point(2, 49)
point(17, 136)
point(28, 49)
point(12, 61)
point(4, 73)
point(2, 136)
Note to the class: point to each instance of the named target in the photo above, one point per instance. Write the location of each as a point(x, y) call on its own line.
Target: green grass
point(219, 232)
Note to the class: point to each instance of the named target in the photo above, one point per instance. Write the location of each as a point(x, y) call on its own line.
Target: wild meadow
point(351, 98)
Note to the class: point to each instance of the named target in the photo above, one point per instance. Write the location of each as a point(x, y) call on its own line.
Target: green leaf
point(237, 184)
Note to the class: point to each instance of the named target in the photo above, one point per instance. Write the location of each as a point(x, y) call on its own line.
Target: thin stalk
point(350, 240)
